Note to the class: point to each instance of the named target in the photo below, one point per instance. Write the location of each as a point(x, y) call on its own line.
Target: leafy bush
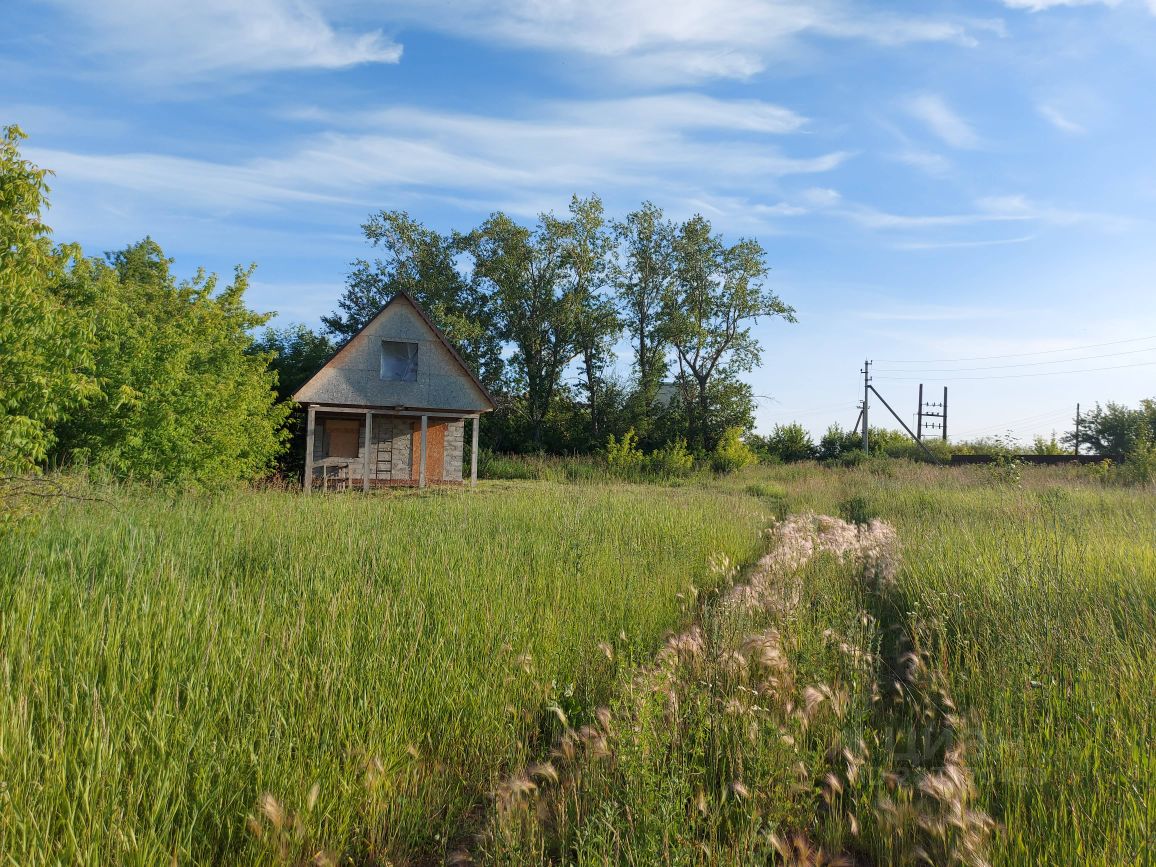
point(45, 355)
point(673, 459)
point(790, 442)
point(1140, 466)
point(624, 454)
point(1005, 470)
point(732, 453)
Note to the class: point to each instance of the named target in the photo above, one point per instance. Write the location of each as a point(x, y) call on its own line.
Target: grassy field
point(375, 664)
point(409, 676)
point(1038, 602)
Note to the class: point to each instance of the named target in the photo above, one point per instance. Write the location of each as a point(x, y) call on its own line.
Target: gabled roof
point(401, 293)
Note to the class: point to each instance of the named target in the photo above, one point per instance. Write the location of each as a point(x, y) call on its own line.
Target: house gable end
point(354, 375)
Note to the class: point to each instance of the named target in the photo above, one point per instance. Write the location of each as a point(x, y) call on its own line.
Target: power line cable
point(1013, 354)
point(1022, 375)
point(1037, 418)
point(1018, 364)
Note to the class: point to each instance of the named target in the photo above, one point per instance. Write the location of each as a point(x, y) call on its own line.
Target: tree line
point(114, 363)
point(539, 312)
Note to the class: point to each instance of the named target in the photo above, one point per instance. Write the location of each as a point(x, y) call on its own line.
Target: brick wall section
point(454, 451)
point(401, 468)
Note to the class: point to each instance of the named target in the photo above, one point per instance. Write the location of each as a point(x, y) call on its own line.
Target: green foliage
point(1115, 430)
point(1140, 466)
point(45, 360)
point(624, 454)
point(1042, 446)
point(718, 293)
point(295, 353)
point(838, 443)
point(732, 453)
point(789, 443)
point(643, 279)
point(183, 398)
point(423, 263)
point(525, 305)
point(857, 510)
point(673, 459)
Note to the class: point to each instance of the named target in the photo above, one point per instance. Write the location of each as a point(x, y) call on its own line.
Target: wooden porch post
point(310, 421)
point(368, 441)
point(421, 470)
point(474, 452)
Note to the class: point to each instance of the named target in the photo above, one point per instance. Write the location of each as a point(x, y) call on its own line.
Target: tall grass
point(264, 678)
point(1037, 601)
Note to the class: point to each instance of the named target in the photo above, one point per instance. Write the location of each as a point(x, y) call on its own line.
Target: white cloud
point(987, 211)
point(942, 120)
point(1060, 121)
point(682, 40)
point(174, 40)
point(936, 165)
point(663, 146)
point(1041, 5)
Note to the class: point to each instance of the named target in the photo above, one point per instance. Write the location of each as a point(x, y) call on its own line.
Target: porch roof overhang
point(438, 412)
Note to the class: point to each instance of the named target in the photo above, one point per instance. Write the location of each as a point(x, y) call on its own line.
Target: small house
point(389, 407)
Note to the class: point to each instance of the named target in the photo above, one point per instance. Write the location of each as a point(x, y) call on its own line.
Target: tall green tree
point(183, 398)
point(525, 274)
point(1115, 429)
point(718, 293)
point(643, 278)
point(586, 249)
point(45, 363)
point(423, 263)
point(295, 353)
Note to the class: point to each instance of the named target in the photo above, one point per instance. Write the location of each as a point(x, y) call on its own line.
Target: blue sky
point(932, 181)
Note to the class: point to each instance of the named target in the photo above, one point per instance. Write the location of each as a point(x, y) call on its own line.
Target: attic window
point(398, 361)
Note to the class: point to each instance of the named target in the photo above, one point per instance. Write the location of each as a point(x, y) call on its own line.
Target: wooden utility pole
point(945, 413)
point(1077, 429)
point(919, 420)
point(866, 404)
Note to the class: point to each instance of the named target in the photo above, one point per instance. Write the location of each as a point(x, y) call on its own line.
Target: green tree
point(423, 263)
point(790, 442)
point(526, 274)
point(1115, 429)
point(718, 293)
point(44, 344)
point(837, 442)
point(643, 278)
point(295, 353)
point(183, 396)
point(586, 250)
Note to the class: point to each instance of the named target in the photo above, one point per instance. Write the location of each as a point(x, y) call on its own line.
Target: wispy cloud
point(986, 211)
point(667, 146)
point(165, 41)
point(962, 245)
point(686, 40)
point(936, 165)
point(1041, 5)
point(1060, 121)
point(942, 120)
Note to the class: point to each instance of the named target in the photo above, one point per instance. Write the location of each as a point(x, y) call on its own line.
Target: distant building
point(665, 394)
point(389, 407)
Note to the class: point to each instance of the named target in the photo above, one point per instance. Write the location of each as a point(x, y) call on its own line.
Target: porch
point(348, 448)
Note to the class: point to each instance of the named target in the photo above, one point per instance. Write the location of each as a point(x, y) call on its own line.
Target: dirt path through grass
point(760, 731)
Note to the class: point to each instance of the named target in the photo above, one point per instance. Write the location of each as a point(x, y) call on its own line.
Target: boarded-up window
point(344, 436)
point(398, 361)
